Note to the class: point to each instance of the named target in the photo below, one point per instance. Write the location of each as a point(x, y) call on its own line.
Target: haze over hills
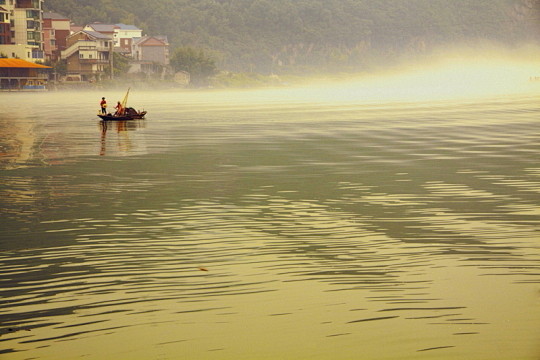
point(297, 35)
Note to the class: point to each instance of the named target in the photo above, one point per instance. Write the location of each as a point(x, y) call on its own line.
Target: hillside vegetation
point(303, 35)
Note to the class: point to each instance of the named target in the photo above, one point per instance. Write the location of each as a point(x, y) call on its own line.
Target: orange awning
point(18, 63)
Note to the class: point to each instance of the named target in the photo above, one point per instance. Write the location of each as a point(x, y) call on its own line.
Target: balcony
point(91, 47)
point(28, 4)
point(16, 77)
point(93, 56)
point(85, 71)
point(93, 61)
point(84, 46)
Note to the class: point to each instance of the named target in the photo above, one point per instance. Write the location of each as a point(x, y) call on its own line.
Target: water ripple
point(200, 231)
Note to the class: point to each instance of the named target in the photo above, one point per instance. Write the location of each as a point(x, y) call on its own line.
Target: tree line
point(273, 36)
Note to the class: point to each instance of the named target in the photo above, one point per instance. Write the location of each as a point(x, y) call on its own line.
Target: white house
point(124, 35)
point(121, 34)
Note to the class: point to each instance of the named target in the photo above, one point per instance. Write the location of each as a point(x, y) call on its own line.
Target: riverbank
point(223, 80)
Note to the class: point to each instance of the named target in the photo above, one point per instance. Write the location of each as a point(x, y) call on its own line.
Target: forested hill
point(274, 35)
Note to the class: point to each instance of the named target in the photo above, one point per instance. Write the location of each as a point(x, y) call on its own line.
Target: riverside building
point(21, 29)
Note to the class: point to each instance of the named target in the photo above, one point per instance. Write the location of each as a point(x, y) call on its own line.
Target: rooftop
point(99, 27)
point(126, 27)
point(97, 35)
point(19, 63)
point(54, 16)
point(157, 40)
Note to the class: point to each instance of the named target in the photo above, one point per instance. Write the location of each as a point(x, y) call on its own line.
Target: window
point(5, 39)
point(32, 14)
point(33, 35)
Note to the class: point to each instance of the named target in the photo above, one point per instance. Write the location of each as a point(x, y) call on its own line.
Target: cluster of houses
point(88, 50)
point(30, 36)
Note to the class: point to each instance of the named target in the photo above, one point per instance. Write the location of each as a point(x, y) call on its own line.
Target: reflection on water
point(123, 141)
point(227, 229)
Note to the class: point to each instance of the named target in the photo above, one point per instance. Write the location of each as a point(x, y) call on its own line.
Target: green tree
point(120, 64)
point(60, 67)
point(196, 62)
point(272, 35)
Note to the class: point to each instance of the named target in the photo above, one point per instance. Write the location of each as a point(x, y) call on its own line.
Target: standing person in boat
point(119, 109)
point(103, 105)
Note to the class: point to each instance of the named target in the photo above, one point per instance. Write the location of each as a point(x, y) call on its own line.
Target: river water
point(270, 225)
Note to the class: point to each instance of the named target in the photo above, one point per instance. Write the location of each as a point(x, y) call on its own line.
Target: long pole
point(124, 102)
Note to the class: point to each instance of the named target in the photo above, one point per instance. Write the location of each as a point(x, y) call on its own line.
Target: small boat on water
point(127, 113)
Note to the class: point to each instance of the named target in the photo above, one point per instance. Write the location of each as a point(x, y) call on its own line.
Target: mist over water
point(452, 74)
point(384, 217)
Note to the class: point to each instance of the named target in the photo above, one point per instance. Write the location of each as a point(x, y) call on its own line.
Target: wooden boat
point(128, 114)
